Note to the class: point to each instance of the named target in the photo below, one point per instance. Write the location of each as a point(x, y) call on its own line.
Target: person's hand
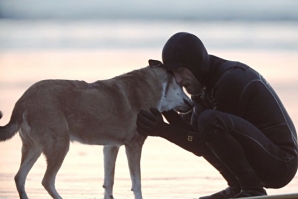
point(172, 116)
point(179, 120)
point(150, 123)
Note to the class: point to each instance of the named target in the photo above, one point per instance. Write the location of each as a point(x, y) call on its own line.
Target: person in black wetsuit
point(238, 124)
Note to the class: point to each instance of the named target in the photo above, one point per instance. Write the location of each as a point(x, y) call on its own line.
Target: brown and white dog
point(51, 113)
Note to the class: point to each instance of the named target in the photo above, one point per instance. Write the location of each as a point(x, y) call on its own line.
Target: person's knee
point(206, 125)
point(212, 124)
point(206, 117)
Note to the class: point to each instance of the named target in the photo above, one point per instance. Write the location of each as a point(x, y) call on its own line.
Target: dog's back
point(93, 112)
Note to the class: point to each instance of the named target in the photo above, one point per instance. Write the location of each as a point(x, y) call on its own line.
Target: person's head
point(185, 55)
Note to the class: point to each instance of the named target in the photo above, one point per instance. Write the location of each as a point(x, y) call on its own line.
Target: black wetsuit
point(239, 125)
point(241, 104)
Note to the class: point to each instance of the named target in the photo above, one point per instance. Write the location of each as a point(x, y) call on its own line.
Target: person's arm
point(229, 90)
point(152, 124)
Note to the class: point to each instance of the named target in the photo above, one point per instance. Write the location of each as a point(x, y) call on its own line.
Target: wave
point(253, 10)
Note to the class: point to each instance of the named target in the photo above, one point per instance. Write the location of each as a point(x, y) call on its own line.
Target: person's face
point(185, 78)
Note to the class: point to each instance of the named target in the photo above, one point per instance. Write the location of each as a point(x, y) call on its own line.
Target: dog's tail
point(9, 130)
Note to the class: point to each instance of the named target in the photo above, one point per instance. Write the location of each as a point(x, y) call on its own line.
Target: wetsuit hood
point(187, 50)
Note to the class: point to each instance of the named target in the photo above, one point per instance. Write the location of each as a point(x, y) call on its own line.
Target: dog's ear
point(155, 63)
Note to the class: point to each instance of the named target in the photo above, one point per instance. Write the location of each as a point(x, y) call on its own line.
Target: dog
point(51, 113)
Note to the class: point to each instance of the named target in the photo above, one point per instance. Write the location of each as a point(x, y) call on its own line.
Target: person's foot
point(224, 194)
point(249, 193)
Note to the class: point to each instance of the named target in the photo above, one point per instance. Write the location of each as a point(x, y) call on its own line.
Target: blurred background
point(91, 40)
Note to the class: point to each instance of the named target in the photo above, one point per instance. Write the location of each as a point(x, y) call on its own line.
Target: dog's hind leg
point(133, 153)
point(55, 156)
point(30, 153)
point(55, 147)
point(110, 155)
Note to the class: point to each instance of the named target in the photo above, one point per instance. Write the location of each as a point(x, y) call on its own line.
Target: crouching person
point(239, 125)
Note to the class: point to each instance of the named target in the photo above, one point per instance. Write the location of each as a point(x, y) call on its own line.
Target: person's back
point(242, 91)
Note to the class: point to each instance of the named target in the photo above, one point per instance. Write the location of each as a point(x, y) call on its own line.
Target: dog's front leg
point(110, 155)
point(133, 152)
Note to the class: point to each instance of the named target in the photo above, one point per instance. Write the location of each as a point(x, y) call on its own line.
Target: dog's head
point(173, 95)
